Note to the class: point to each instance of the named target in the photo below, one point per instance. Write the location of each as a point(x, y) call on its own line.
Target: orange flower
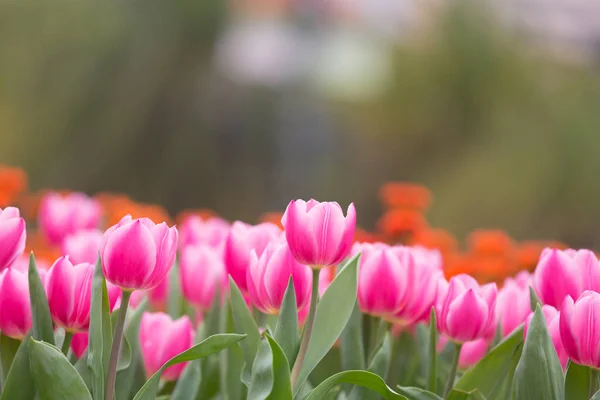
point(401, 223)
point(273, 217)
point(116, 206)
point(405, 195)
point(490, 242)
point(13, 182)
point(439, 239)
point(528, 253)
point(44, 252)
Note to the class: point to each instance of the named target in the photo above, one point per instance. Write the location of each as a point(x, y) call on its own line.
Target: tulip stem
point(593, 382)
point(116, 346)
point(67, 342)
point(308, 326)
point(454, 366)
point(378, 328)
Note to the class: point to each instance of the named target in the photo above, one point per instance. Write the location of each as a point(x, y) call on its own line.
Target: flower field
point(106, 298)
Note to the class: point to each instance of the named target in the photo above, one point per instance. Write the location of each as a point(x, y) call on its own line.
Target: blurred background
point(241, 105)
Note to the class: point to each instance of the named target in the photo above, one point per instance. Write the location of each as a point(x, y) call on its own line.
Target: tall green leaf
point(54, 376)
point(19, 384)
point(461, 395)
point(433, 340)
point(361, 378)
point(351, 342)
point(286, 330)
point(207, 347)
point(380, 365)
point(99, 334)
point(577, 382)
point(244, 324)
point(414, 393)
point(261, 383)
point(188, 384)
point(8, 351)
point(534, 301)
point(539, 375)
point(494, 373)
point(282, 386)
point(175, 301)
point(40, 312)
point(333, 312)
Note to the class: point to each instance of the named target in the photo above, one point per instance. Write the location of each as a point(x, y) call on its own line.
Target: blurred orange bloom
point(528, 253)
point(273, 217)
point(116, 206)
point(44, 252)
point(490, 242)
point(438, 238)
point(13, 182)
point(406, 195)
point(401, 223)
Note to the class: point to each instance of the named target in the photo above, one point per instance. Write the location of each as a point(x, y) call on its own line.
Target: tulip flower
point(318, 233)
point(15, 306)
point(562, 273)
point(195, 230)
point(82, 246)
point(138, 254)
point(268, 277)
point(60, 216)
point(466, 311)
point(79, 343)
point(202, 275)
point(242, 239)
point(552, 317)
point(383, 278)
point(471, 352)
point(580, 328)
point(513, 305)
point(12, 236)
point(162, 338)
point(423, 273)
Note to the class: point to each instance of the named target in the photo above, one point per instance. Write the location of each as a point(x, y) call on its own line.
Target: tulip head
point(60, 216)
point(580, 328)
point(82, 246)
point(15, 306)
point(202, 275)
point(12, 236)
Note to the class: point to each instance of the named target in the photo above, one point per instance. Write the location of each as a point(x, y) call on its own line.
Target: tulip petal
point(467, 316)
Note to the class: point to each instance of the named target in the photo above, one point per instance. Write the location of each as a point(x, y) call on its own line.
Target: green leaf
point(244, 324)
point(351, 342)
point(380, 365)
point(577, 382)
point(433, 339)
point(19, 384)
point(40, 312)
point(262, 379)
point(596, 396)
point(53, 374)
point(461, 395)
point(286, 331)
point(8, 351)
point(361, 378)
point(100, 333)
point(414, 393)
point(282, 386)
point(333, 312)
point(538, 374)
point(188, 384)
point(534, 301)
point(132, 378)
point(494, 373)
point(83, 370)
point(227, 366)
point(125, 356)
point(175, 301)
point(207, 347)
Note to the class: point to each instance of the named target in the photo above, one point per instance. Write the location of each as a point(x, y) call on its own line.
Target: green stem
point(116, 347)
point(452, 375)
point(308, 326)
point(593, 382)
point(433, 339)
point(67, 342)
point(378, 328)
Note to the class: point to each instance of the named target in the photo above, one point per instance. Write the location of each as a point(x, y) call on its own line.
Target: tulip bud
point(211, 232)
point(471, 352)
point(466, 311)
point(82, 246)
point(15, 306)
point(202, 274)
point(242, 239)
point(138, 254)
point(60, 216)
point(580, 328)
point(79, 343)
point(513, 305)
point(162, 338)
point(318, 233)
point(12, 236)
point(268, 277)
point(552, 317)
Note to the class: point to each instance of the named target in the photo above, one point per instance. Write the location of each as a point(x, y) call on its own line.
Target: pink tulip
point(15, 307)
point(268, 277)
point(383, 279)
point(22, 264)
point(202, 275)
point(242, 239)
point(79, 343)
point(69, 290)
point(466, 311)
point(565, 272)
point(195, 230)
point(580, 328)
point(138, 254)
point(318, 233)
point(60, 216)
point(423, 274)
point(12, 236)
point(513, 306)
point(158, 295)
point(82, 246)
point(552, 317)
point(162, 338)
point(136, 298)
point(471, 352)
